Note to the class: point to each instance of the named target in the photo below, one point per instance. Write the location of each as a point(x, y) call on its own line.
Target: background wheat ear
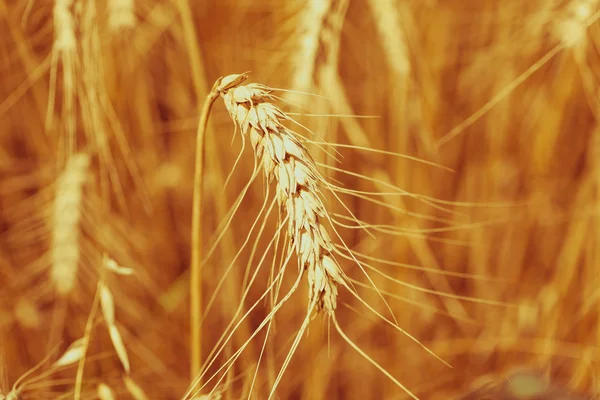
point(66, 223)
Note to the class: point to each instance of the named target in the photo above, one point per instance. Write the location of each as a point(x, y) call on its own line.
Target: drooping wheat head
point(286, 162)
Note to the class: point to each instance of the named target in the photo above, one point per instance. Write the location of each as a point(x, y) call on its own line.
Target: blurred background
point(487, 110)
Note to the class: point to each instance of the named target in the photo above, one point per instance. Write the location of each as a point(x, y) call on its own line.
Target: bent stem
point(196, 242)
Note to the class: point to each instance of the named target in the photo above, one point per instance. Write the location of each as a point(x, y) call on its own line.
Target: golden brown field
point(409, 206)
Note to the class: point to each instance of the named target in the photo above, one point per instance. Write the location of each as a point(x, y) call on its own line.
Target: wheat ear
point(65, 252)
point(286, 162)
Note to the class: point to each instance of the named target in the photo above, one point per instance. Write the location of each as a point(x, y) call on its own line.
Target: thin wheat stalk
point(65, 252)
point(196, 240)
point(200, 87)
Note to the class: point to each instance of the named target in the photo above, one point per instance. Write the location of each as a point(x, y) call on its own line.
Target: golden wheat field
point(286, 199)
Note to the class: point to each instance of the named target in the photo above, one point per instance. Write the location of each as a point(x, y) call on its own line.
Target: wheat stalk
point(287, 162)
point(200, 87)
point(65, 252)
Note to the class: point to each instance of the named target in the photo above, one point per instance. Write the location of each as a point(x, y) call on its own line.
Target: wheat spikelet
point(117, 341)
point(73, 354)
point(104, 392)
point(65, 252)
point(287, 162)
point(107, 304)
point(121, 14)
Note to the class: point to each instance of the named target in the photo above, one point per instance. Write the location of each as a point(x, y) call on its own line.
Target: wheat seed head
point(287, 162)
point(65, 251)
